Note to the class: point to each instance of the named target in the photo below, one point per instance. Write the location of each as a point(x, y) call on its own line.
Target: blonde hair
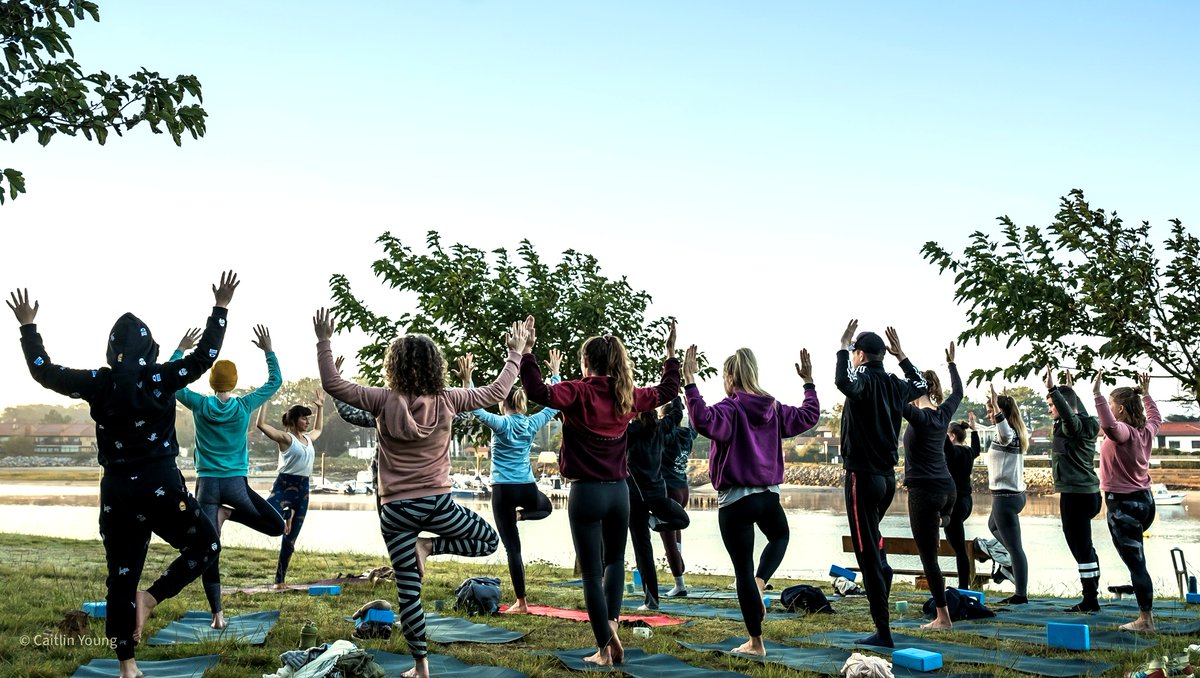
point(1130, 400)
point(742, 368)
point(606, 355)
point(1012, 414)
point(516, 401)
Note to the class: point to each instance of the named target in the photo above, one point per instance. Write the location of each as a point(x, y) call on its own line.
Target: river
point(816, 516)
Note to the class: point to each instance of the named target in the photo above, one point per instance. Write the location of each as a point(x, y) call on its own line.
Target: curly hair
point(414, 366)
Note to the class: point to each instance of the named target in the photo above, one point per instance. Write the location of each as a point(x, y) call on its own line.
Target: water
point(816, 516)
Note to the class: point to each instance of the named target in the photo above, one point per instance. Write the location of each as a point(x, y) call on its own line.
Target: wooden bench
point(906, 546)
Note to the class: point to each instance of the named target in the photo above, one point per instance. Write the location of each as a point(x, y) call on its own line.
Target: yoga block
point(902, 606)
point(977, 595)
point(1191, 598)
point(637, 579)
point(1068, 636)
point(96, 609)
point(334, 590)
point(921, 660)
point(835, 572)
point(381, 616)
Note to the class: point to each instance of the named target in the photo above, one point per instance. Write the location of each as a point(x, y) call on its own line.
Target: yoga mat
point(693, 591)
point(1098, 620)
point(1162, 608)
point(1100, 640)
point(439, 665)
point(441, 629)
point(954, 652)
point(710, 612)
point(824, 660)
point(266, 588)
point(582, 616)
point(187, 667)
point(638, 664)
point(194, 627)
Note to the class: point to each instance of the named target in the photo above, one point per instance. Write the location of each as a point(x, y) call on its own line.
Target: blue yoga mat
point(824, 660)
point(966, 654)
point(1175, 609)
point(447, 630)
point(439, 665)
point(194, 627)
point(638, 664)
point(187, 667)
point(708, 611)
point(1110, 620)
point(1035, 635)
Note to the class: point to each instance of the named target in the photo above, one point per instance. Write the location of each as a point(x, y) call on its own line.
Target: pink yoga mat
point(582, 615)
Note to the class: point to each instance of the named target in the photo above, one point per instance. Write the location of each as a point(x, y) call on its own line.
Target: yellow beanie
point(223, 376)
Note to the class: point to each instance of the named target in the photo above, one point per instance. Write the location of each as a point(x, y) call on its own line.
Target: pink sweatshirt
point(1125, 452)
point(413, 432)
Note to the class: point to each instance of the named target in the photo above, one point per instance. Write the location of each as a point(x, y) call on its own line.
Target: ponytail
point(1012, 414)
point(607, 356)
point(935, 386)
point(516, 402)
point(742, 369)
point(1130, 400)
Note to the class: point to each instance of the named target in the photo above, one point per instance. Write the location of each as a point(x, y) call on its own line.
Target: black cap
point(869, 343)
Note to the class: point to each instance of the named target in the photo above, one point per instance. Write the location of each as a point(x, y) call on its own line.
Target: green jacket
point(1073, 459)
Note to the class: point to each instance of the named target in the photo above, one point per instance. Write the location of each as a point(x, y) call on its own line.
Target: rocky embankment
point(1038, 480)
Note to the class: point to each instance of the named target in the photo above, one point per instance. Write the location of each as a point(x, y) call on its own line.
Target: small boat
point(1165, 497)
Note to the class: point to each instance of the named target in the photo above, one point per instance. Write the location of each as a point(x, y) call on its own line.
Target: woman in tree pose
point(1072, 463)
point(289, 494)
point(746, 466)
point(927, 477)
point(132, 400)
point(1130, 420)
point(222, 456)
point(960, 459)
point(413, 416)
point(677, 447)
point(515, 496)
point(1006, 479)
point(596, 414)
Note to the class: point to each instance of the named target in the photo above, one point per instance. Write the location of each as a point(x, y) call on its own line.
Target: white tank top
point(297, 459)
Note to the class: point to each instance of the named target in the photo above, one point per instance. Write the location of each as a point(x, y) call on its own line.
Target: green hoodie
point(221, 427)
point(1072, 462)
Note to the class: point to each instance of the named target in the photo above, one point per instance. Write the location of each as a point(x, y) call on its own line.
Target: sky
point(765, 170)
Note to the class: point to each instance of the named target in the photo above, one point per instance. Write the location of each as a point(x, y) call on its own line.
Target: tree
point(466, 298)
point(1087, 289)
point(44, 91)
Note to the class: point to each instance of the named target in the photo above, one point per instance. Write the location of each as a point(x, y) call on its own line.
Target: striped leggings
point(460, 531)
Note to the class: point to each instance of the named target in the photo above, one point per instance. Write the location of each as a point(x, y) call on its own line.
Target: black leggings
point(133, 503)
point(643, 547)
point(598, 512)
point(1129, 516)
point(1005, 524)
point(868, 497)
point(249, 509)
point(926, 506)
point(506, 498)
point(1077, 510)
point(737, 522)
point(673, 539)
point(957, 536)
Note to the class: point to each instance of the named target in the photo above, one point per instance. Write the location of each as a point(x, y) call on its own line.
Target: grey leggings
point(1005, 525)
point(249, 509)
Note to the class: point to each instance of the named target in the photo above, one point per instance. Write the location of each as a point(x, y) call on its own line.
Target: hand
point(689, 365)
point(21, 308)
point(262, 339)
point(804, 367)
point(950, 354)
point(323, 325)
point(1068, 380)
point(848, 335)
point(993, 405)
point(319, 398)
point(1144, 382)
point(555, 361)
point(671, 341)
point(1099, 382)
point(518, 336)
point(529, 325)
point(337, 364)
point(224, 293)
point(971, 421)
point(893, 346)
point(1049, 378)
point(188, 340)
point(466, 368)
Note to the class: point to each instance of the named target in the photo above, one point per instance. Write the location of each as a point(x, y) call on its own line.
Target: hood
point(416, 421)
point(759, 409)
point(217, 412)
point(131, 347)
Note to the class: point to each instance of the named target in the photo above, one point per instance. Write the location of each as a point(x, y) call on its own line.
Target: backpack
point(959, 606)
point(803, 597)
point(478, 595)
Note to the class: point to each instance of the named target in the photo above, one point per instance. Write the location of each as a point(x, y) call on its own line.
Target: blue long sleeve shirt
point(512, 438)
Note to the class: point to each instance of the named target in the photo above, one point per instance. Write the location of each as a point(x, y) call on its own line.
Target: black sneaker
point(1014, 600)
point(1085, 605)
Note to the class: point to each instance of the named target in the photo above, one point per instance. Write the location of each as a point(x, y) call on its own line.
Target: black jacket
point(960, 459)
point(677, 446)
point(875, 400)
point(645, 451)
point(133, 398)
point(925, 440)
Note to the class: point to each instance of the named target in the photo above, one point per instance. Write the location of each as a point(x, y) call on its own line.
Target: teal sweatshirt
point(221, 427)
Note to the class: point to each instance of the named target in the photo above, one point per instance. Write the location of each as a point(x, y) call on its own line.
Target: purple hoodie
point(747, 432)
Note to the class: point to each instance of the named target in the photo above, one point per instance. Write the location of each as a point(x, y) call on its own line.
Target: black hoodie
point(875, 401)
point(133, 398)
point(645, 451)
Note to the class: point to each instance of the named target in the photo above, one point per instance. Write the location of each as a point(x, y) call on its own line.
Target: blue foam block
point(835, 571)
point(921, 660)
point(381, 616)
point(96, 609)
point(1068, 636)
point(334, 590)
point(977, 595)
point(1193, 598)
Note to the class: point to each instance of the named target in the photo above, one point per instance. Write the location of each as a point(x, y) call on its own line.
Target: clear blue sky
point(765, 170)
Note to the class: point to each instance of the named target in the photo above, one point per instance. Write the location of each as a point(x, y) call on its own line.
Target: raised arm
point(72, 383)
point(466, 368)
point(648, 398)
point(466, 399)
point(797, 420)
point(186, 396)
point(176, 374)
point(363, 397)
point(260, 395)
point(713, 422)
point(950, 405)
point(1153, 417)
point(280, 438)
point(319, 413)
point(846, 376)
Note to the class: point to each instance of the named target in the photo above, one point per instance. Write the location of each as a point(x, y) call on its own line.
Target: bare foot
point(601, 658)
point(223, 514)
point(287, 525)
point(424, 547)
point(129, 669)
point(419, 670)
point(520, 516)
point(218, 620)
point(762, 587)
point(280, 586)
point(144, 603)
point(753, 646)
point(519, 607)
point(938, 625)
point(616, 651)
point(1139, 626)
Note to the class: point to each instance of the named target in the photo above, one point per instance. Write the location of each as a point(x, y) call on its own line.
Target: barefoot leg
point(218, 620)
point(424, 548)
point(941, 623)
point(129, 669)
point(519, 607)
point(144, 604)
point(419, 670)
point(615, 649)
point(753, 646)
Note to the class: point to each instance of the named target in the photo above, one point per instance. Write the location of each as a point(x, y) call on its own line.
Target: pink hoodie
point(1125, 452)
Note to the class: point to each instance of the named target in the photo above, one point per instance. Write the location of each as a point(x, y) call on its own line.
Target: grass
point(41, 579)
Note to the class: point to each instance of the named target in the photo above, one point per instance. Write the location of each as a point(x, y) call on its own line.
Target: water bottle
point(308, 635)
point(637, 579)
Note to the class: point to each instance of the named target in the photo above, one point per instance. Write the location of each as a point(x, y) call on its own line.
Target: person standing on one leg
point(1006, 479)
point(960, 459)
point(289, 494)
point(870, 436)
point(132, 401)
point(746, 467)
point(1072, 464)
point(1130, 421)
point(677, 447)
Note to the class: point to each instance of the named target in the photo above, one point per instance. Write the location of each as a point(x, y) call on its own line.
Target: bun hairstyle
point(414, 366)
point(1130, 400)
point(292, 416)
point(516, 402)
point(1012, 414)
point(649, 420)
point(742, 368)
point(935, 386)
point(958, 431)
point(606, 356)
